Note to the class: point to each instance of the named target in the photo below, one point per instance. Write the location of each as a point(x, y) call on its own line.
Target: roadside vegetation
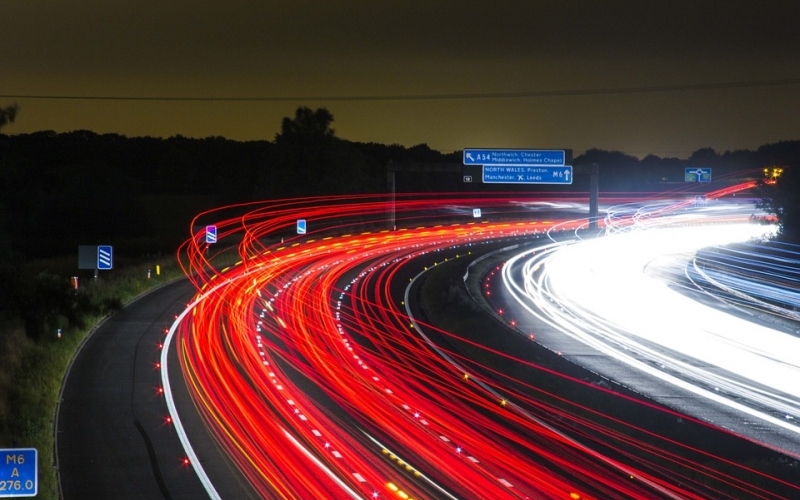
point(779, 196)
point(32, 368)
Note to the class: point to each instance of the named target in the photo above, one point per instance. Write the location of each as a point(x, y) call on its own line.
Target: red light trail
point(310, 373)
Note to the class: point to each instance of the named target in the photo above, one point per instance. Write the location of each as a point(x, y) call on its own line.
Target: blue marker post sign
point(105, 257)
point(211, 234)
point(301, 226)
point(19, 472)
point(502, 174)
point(515, 157)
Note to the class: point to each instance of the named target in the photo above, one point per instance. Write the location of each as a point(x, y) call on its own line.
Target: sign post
point(19, 472)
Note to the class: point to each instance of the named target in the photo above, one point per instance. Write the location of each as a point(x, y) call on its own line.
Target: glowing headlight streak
point(598, 292)
point(753, 277)
point(354, 344)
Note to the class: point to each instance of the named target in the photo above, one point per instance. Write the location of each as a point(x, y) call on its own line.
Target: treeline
point(61, 190)
point(776, 167)
point(621, 172)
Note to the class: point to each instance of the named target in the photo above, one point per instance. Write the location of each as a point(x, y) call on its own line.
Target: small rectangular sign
point(700, 201)
point(211, 234)
point(301, 226)
point(514, 157)
point(105, 257)
point(19, 472)
point(87, 256)
point(527, 175)
point(693, 174)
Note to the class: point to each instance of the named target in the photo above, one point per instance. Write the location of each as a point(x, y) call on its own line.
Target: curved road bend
point(112, 437)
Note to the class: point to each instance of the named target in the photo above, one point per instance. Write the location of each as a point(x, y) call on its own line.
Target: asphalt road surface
point(112, 436)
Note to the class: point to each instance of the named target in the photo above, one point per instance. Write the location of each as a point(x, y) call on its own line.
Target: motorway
point(624, 297)
point(308, 375)
point(113, 439)
point(302, 306)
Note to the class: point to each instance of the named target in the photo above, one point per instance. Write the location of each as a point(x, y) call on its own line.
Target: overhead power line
point(426, 97)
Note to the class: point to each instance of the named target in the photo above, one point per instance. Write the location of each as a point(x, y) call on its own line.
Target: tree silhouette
point(704, 157)
point(307, 126)
point(8, 114)
point(310, 159)
point(781, 200)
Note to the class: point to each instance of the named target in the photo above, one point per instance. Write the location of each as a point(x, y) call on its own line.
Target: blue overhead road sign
point(500, 174)
point(105, 259)
point(19, 472)
point(694, 174)
point(514, 157)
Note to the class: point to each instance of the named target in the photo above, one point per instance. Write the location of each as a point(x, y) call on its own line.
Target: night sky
point(541, 71)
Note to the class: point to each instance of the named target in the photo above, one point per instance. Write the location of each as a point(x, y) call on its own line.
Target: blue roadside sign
point(105, 257)
point(515, 157)
point(507, 174)
point(301, 226)
point(694, 174)
point(211, 234)
point(19, 472)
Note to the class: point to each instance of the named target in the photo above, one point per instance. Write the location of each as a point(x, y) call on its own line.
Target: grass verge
point(31, 373)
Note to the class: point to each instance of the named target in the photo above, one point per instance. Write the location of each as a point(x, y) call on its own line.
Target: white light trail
point(618, 295)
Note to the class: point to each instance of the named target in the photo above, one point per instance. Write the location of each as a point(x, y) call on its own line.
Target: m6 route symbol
point(19, 472)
